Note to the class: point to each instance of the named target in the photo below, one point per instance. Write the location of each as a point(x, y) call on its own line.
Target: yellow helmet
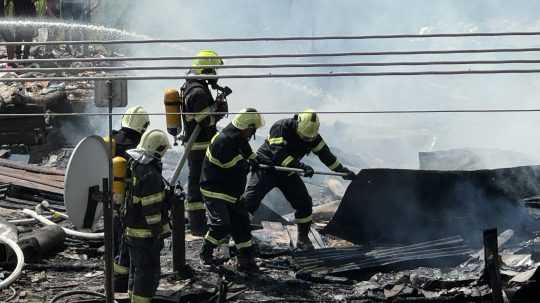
point(308, 125)
point(248, 118)
point(136, 118)
point(155, 142)
point(206, 57)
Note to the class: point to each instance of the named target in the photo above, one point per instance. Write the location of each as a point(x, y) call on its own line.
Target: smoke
point(382, 140)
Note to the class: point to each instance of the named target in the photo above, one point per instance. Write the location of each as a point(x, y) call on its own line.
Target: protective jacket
point(125, 139)
point(225, 167)
point(285, 148)
point(19, 8)
point(198, 99)
point(145, 214)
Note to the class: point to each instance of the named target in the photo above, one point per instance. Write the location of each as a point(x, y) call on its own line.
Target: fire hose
point(20, 261)
point(69, 232)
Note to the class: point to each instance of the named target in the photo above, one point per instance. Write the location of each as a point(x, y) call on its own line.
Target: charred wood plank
point(16, 192)
point(33, 177)
point(29, 184)
point(32, 168)
point(28, 138)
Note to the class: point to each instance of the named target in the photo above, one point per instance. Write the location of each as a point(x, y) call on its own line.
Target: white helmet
point(154, 142)
point(136, 118)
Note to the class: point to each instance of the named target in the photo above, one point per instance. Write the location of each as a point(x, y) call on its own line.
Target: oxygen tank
point(119, 180)
point(108, 142)
point(173, 110)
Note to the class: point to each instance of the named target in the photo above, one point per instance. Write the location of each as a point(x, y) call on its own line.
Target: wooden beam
point(32, 168)
point(29, 184)
point(28, 176)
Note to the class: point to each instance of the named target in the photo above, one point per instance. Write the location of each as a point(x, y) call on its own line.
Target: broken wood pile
point(24, 184)
point(339, 260)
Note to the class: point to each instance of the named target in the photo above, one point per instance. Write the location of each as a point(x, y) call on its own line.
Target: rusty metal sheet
point(400, 206)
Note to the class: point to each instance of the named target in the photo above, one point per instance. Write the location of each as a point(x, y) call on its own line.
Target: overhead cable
point(270, 75)
point(269, 56)
point(364, 112)
point(288, 38)
point(266, 66)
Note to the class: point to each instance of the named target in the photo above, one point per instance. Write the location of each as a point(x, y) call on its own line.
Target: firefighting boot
point(245, 261)
point(207, 254)
point(11, 53)
point(304, 243)
point(197, 222)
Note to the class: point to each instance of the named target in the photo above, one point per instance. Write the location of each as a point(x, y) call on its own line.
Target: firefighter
point(289, 141)
point(145, 215)
point(223, 179)
point(198, 98)
point(23, 9)
point(134, 123)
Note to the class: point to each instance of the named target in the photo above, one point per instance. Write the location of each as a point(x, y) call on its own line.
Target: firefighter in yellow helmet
point(197, 98)
point(224, 175)
point(289, 141)
point(134, 123)
point(145, 214)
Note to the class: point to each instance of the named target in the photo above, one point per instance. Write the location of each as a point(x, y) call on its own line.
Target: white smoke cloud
point(391, 140)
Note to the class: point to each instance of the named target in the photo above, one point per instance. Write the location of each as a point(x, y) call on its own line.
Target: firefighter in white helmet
point(224, 175)
point(289, 141)
point(133, 124)
point(145, 214)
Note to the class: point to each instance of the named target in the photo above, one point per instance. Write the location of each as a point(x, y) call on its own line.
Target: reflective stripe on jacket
point(284, 147)
point(198, 99)
point(146, 214)
point(225, 167)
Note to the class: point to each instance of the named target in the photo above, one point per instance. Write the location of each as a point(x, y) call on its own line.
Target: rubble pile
point(42, 135)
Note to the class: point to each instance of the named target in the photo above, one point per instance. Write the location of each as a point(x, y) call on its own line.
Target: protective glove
point(308, 170)
point(253, 164)
point(350, 174)
point(244, 166)
point(156, 230)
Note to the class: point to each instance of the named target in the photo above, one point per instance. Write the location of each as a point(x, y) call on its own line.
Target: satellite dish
point(87, 166)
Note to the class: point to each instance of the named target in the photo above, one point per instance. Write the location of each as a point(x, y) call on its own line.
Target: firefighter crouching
point(134, 123)
point(224, 174)
point(289, 141)
point(145, 215)
point(197, 98)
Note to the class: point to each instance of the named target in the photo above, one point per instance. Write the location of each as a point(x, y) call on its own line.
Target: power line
point(365, 112)
point(269, 56)
point(270, 75)
point(289, 38)
point(265, 66)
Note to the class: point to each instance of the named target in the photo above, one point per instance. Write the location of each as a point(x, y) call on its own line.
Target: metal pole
point(178, 232)
point(301, 171)
point(107, 215)
point(183, 160)
point(491, 259)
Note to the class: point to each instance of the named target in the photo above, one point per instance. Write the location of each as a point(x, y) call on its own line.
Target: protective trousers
point(226, 218)
point(293, 188)
point(121, 257)
point(194, 202)
point(144, 268)
point(20, 34)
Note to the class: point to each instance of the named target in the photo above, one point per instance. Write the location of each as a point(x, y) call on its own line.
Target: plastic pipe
point(69, 232)
point(20, 261)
